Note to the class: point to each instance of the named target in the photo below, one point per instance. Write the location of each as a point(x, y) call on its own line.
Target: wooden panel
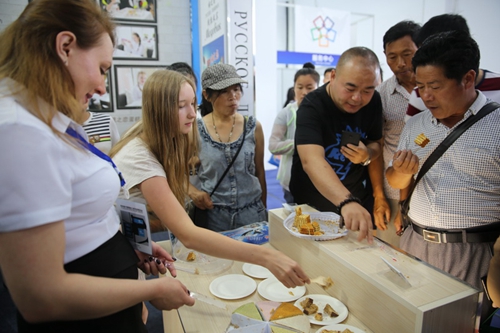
point(375, 294)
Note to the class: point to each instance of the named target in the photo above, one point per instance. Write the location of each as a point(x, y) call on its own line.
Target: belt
point(459, 236)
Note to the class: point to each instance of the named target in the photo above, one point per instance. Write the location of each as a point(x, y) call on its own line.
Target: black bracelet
point(350, 198)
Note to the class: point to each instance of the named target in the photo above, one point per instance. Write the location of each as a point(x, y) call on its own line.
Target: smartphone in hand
point(349, 137)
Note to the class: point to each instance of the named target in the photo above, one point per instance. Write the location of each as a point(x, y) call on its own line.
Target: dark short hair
point(442, 23)
point(453, 51)
point(307, 69)
point(328, 70)
point(400, 30)
point(183, 68)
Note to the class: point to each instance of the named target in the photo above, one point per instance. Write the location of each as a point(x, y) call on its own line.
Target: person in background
point(486, 81)
point(53, 58)
point(139, 85)
point(290, 96)
point(101, 130)
point(153, 156)
point(327, 74)
point(454, 208)
point(399, 48)
point(345, 179)
point(240, 199)
point(185, 69)
point(282, 137)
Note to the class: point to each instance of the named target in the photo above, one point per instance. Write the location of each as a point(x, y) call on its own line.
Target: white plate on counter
point(340, 327)
point(328, 222)
point(321, 301)
point(256, 271)
point(272, 289)
point(232, 286)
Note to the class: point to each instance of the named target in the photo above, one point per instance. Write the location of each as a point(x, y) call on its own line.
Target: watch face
point(367, 162)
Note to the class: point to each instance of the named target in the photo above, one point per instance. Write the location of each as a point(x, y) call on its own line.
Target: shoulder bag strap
point(235, 155)
point(448, 141)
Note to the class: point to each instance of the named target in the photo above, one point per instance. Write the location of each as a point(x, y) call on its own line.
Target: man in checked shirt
point(455, 207)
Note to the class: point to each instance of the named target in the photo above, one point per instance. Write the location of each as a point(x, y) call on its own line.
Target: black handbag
point(200, 216)
point(439, 151)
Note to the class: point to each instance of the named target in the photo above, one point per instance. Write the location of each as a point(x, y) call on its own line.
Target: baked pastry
point(307, 229)
point(318, 316)
point(285, 310)
point(422, 140)
point(260, 317)
point(311, 309)
point(330, 311)
point(300, 220)
point(191, 256)
point(306, 302)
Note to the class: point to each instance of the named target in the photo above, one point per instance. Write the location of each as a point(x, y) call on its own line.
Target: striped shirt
point(462, 189)
point(394, 103)
point(102, 131)
point(489, 86)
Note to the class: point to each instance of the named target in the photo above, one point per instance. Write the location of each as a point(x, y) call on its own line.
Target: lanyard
point(96, 152)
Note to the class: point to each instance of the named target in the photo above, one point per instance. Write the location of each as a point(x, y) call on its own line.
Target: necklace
point(230, 133)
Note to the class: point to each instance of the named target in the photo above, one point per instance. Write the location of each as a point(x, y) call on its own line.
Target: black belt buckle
point(434, 236)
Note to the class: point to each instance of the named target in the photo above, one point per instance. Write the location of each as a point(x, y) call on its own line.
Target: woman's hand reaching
point(286, 270)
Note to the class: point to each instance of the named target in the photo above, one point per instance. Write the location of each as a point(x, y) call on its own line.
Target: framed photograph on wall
point(129, 81)
point(137, 42)
point(104, 103)
point(130, 10)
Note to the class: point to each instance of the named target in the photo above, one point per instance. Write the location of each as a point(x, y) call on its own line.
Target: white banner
point(240, 48)
point(212, 15)
point(322, 30)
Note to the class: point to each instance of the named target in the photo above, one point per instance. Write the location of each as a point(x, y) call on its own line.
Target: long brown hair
point(159, 129)
point(28, 52)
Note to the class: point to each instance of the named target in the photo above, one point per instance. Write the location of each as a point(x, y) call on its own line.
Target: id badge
point(135, 224)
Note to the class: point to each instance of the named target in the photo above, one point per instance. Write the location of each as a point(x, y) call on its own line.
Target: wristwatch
point(368, 161)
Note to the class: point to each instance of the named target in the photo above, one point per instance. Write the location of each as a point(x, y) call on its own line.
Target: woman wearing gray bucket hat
point(225, 135)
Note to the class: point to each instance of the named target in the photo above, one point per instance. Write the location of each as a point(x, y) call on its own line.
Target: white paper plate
point(321, 301)
point(203, 263)
point(340, 327)
point(232, 286)
point(273, 290)
point(328, 222)
point(256, 271)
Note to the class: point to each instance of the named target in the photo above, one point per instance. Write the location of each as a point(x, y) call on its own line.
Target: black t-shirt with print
point(320, 122)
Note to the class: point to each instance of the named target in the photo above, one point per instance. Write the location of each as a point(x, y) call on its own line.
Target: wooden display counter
point(207, 318)
point(378, 300)
point(433, 301)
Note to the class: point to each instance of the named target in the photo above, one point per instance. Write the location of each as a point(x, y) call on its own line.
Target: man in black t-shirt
point(343, 179)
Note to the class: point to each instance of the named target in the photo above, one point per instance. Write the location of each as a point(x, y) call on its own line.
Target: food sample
point(191, 256)
point(301, 220)
point(306, 229)
point(306, 302)
point(261, 317)
point(330, 311)
point(337, 331)
point(311, 309)
point(318, 316)
point(422, 140)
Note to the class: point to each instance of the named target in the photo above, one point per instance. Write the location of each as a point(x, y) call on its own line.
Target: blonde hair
point(159, 128)
point(28, 52)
